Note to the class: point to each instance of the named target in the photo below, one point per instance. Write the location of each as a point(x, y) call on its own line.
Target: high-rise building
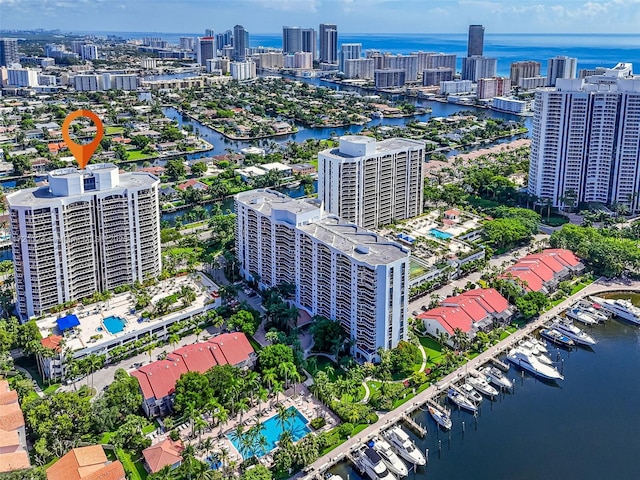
point(433, 76)
point(328, 43)
point(240, 43)
point(446, 60)
point(561, 67)
point(187, 43)
point(493, 87)
point(86, 231)
point(359, 68)
point(454, 87)
point(296, 39)
point(340, 271)
point(389, 78)
point(8, 51)
point(243, 70)
point(209, 32)
point(475, 45)
point(586, 140)
point(407, 63)
point(22, 77)
point(348, 51)
point(89, 52)
point(76, 46)
point(206, 50)
point(474, 68)
point(372, 183)
point(270, 60)
point(525, 69)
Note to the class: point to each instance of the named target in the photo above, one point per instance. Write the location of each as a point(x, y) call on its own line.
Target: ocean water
point(590, 50)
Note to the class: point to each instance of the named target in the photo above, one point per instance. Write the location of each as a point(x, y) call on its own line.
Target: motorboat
point(461, 400)
point(540, 345)
point(372, 464)
point(574, 333)
point(526, 360)
point(595, 310)
point(333, 477)
point(481, 384)
point(530, 347)
point(441, 417)
point(471, 393)
point(554, 336)
point(389, 457)
point(581, 316)
point(403, 445)
point(494, 375)
point(623, 309)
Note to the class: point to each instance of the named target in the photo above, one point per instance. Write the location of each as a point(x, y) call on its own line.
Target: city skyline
point(364, 16)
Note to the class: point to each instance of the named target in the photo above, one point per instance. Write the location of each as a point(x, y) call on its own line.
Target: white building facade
point(341, 271)
point(372, 183)
point(241, 71)
point(88, 230)
point(586, 140)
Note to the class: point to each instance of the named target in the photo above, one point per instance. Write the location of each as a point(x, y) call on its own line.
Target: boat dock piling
point(415, 426)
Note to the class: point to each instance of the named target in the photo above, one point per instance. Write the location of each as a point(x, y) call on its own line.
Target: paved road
point(339, 453)
point(499, 261)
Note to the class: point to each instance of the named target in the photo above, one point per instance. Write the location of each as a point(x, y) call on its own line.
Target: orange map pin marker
point(82, 153)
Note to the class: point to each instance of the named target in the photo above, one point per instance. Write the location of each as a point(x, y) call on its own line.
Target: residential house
point(86, 463)
point(303, 169)
point(158, 379)
point(542, 272)
point(193, 183)
point(452, 214)
point(160, 455)
point(476, 310)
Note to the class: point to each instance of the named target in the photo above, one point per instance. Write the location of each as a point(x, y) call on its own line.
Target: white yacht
point(471, 393)
point(461, 400)
point(389, 457)
point(540, 345)
point(574, 333)
point(333, 477)
point(441, 416)
point(526, 360)
point(481, 384)
point(598, 313)
point(623, 309)
point(495, 376)
point(581, 316)
point(372, 464)
point(534, 350)
point(401, 442)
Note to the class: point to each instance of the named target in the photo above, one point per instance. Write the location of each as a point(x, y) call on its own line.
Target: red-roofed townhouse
point(160, 455)
point(13, 442)
point(473, 311)
point(158, 379)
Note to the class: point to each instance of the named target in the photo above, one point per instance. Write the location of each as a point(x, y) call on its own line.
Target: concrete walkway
point(317, 468)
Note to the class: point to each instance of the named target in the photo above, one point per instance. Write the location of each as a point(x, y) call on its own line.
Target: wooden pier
point(415, 426)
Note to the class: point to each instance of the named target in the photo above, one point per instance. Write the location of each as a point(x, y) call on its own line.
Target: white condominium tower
point(341, 271)
point(372, 183)
point(586, 140)
point(88, 230)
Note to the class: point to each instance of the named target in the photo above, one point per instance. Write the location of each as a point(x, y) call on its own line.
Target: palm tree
point(277, 389)
point(237, 434)
point(242, 405)
point(174, 339)
point(284, 415)
point(295, 377)
point(223, 416)
point(199, 424)
point(285, 439)
point(95, 363)
point(269, 376)
point(261, 395)
point(284, 370)
point(165, 473)
point(206, 445)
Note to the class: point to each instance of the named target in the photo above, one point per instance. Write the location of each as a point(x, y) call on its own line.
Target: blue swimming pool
point(440, 234)
point(297, 425)
point(114, 324)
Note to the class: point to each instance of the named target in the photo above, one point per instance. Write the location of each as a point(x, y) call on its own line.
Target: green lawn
point(110, 130)
point(433, 350)
point(134, 470)
point(138, 155)
point(322, 364)
point(51, 389)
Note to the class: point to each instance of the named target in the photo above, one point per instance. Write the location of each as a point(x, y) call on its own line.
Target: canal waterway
point(584, 427)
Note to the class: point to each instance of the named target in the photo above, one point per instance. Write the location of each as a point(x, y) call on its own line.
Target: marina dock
point(316, 470)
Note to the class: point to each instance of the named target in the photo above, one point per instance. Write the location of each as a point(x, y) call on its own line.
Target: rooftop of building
point(167, 452)
point(352, 240)
point(390, 145)
point(93, 332)
point(85, 463)
point(42, 196)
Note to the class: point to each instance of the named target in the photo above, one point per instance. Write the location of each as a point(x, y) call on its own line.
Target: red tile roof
point(18, 460)
point(86, 463)
point(450, 318)
point(158, 379)
point(52, 342)
point(563, 255)
point(469, 305)
point(537, 269)
point(489, 298)
point(193, 183)
point(162, 454)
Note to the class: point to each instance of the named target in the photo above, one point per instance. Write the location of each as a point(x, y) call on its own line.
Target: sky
point(351, 16)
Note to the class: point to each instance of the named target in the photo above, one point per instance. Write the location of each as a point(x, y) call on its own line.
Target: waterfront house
point(192, 183)
point(480, 309)
point(158, 379)
point(303, 169)
point(543, 272)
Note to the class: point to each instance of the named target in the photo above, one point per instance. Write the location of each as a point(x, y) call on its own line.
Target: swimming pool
point(114, 324)
point(440, 234)
point(297, 425)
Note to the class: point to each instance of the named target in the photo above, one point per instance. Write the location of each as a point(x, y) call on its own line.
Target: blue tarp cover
point(67, 322)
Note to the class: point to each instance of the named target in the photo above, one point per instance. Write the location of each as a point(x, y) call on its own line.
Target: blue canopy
point(67, 322)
